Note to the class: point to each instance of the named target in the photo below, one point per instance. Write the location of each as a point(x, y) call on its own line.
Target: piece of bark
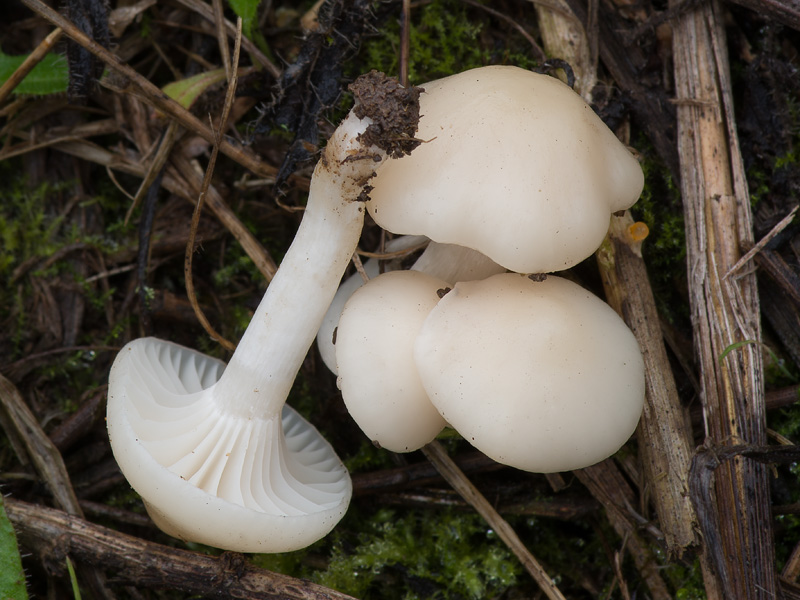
point(737, 525)
point(664, 432)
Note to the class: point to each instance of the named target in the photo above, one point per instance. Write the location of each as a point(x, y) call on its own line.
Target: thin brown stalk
point(448, 469)
point(198, 311)
point(171, 135)
point(405, 40)
point(222, 38)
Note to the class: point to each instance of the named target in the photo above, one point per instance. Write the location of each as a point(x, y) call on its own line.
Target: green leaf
point(186, 91)
point(776, 359)
point(246, 9)
point(50, 76)
point(12, 577)
point(73, 578)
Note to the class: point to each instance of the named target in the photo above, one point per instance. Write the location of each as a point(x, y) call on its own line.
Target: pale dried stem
point(665, 441)
point(736, 520)
point(564, 37)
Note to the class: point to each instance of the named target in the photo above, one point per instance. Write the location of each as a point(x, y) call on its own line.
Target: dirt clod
point(394, 110)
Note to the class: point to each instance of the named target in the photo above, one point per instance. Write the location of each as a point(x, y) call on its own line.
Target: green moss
point(421, 555)
point(664, 249)
point(443, 41)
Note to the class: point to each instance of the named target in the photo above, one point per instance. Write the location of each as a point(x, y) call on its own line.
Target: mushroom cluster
point(212, 449)
point(530, 368)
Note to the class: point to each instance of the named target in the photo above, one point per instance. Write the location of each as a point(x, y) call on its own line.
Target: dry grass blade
point(207, 12)
point(222, 38)
point(42, 452)
point(156, 165)
point(460, 483)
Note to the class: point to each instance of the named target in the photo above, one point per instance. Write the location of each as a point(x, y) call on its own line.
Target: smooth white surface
point(515, 165)
point(374, 355)
point(348, 286)
point(542, 376)
point(250, 485)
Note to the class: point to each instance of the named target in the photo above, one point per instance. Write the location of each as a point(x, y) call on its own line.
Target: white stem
point(262, 370)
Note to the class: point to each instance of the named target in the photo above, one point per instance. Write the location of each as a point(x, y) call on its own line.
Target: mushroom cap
point(515, 165)
point(372, 268)
point(542, 376)
point(237, 483)
point(374, 357)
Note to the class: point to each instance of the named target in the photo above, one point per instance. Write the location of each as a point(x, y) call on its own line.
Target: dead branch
point(53, 535)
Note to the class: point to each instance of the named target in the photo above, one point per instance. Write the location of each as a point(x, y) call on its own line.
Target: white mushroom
point(515, 165)
point(372, 268)
point(374, 356)
point(539, 375)
point(375, 339)
point(444, 261)
point(211, 449)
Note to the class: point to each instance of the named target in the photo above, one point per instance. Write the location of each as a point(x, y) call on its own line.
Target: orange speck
point(638, 231)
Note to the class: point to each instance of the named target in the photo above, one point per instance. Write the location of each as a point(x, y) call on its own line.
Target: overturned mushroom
point(212, 450)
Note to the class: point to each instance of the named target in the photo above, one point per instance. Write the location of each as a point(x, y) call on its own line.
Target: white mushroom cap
point(515, 165)
point(225, 480)
point(542, 376)
point(348, 286)
point(374, 356)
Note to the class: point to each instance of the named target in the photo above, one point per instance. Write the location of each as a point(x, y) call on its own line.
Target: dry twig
point(53, 535)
